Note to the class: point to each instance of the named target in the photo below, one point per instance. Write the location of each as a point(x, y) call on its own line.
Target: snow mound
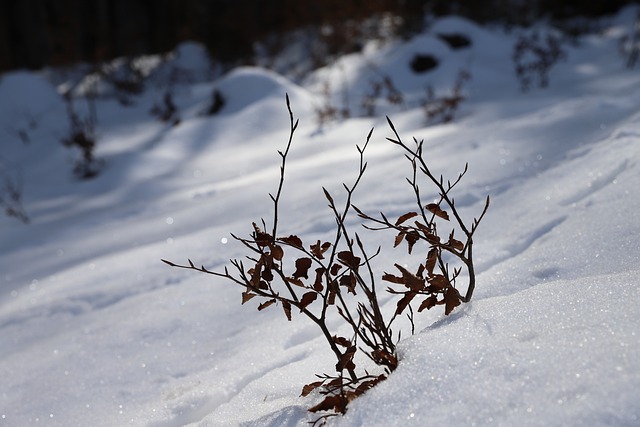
point(246, 86)
point(192, 56)
point(190, 61)
point(25, 96)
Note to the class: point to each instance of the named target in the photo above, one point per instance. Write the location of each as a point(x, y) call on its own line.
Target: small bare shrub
point(328, 111)
point(380, 88)
point(127, 79)
point(217, 102)
point(11, 195)
point(21, 128)
point(442, 109)
point(166, 111)
point(533, 56)
point(336, 276)
point(82, 135)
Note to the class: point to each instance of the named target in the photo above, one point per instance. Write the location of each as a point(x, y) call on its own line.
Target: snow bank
point(558, 351)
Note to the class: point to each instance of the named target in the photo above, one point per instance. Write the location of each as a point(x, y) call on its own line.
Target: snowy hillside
point(96, 331)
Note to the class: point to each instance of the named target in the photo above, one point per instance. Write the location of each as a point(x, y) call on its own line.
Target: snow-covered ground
point(96, 331)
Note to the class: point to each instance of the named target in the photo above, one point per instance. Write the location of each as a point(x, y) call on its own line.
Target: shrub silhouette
point(383, 87)
point(217, 103)
point(11, 195)
point(82, 135)
point(166, 111)
point(127, 79)
point(533, 56)
point(336, 276)
point(442, 109)
point(327, 111)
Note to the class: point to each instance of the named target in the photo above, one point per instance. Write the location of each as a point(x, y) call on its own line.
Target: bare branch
point(338, 276)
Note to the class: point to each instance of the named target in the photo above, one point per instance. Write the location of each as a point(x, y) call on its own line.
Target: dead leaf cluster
point(335, 276)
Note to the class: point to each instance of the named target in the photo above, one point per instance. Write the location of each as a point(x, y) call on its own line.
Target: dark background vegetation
point(37, 33)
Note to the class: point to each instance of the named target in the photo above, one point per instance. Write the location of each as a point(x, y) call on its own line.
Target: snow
point(520, 363)
point(95, 330)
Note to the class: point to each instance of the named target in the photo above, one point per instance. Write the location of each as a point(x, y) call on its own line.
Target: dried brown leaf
point(421, 226)
point(349, 259)
point(404, 302)
point(307, 389)
point(286, 306)
point(307, 299)
point(319, 249)
point(432, 258)
point(346, 360)
point(333, 290)
point(349, 281)
point(412, 238)
point(335, 383)
point(387, 277)
point(451, 300)
point(246, 296)
point(435, 209)
point(405, 217)
point(267, 274)
point(266, 304)
point(277, 252)
point(255, 274)
point(420, 272)
point(366, 385)
point(335, 268)
point(296, 282)
point(428, 303)
point(336, 403)
point(292, 241)
point(317, 284)
point(438, 281)
point(429, 233)
point(262, 239)
point(408, 279)
point(456, 244)
point(302, 267)
point(342, 341)
point(399, 238)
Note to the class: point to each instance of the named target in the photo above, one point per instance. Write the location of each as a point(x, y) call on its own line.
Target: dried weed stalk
point(336, 276)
